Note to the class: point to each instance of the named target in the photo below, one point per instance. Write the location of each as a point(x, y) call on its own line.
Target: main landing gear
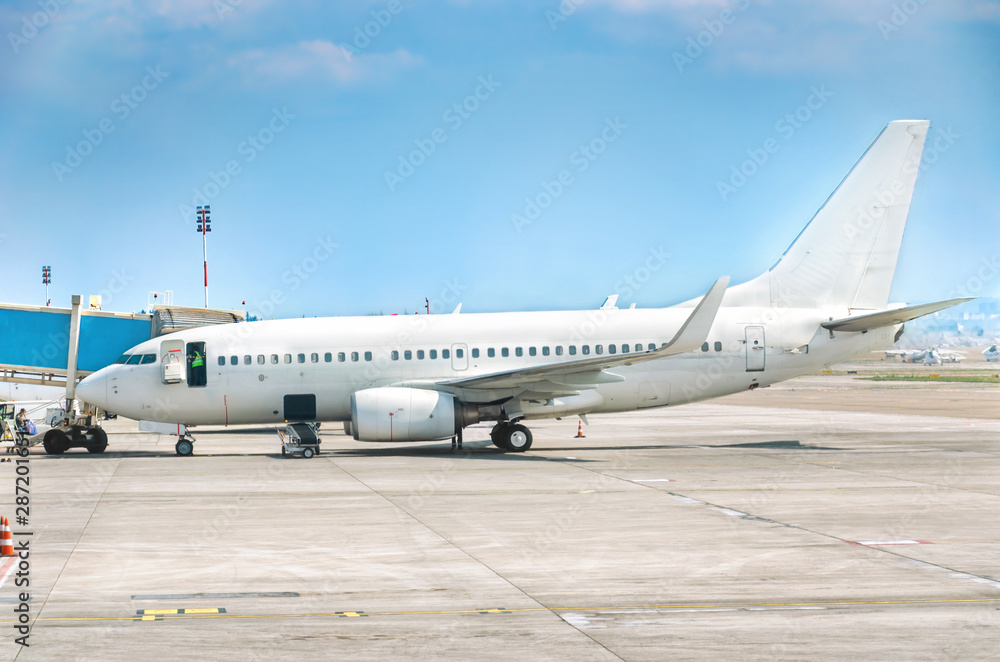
point(511, 437)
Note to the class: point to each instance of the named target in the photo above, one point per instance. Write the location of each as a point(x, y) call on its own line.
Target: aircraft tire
point(518, 439)
point(184, 448)
point(55, 442)
point(498, 434)
point(99, 441)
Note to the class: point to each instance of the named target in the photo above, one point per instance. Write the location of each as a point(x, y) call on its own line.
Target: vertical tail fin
point(846, 255)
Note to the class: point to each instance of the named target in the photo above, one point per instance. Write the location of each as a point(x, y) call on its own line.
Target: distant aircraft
point(427, 377)
point(991, 353)
point(929, 356)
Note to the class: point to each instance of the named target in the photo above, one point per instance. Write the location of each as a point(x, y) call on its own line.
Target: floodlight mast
point(204, 217)
point(46, 280)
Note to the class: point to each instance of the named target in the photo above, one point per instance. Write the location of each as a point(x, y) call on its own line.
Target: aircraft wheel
point(55, 442)
point(518, 439)
point(98, 441)
point(308, 453)
point(184, 447)
point(498, 434)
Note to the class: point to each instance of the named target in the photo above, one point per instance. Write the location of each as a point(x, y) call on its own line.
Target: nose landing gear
point(185, 445)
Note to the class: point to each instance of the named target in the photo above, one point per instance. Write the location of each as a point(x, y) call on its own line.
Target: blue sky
point(361, 156)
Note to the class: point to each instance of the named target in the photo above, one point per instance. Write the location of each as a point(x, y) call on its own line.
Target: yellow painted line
point(149, 618)
point(449, 612)
point(160, 612)
point(214, 610)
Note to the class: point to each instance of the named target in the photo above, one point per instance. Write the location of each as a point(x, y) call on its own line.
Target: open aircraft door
point(755, 348)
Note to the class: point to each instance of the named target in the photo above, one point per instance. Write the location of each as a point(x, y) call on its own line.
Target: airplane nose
point(94, 389)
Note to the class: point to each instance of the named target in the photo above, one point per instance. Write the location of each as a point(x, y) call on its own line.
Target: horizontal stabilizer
point(890, 317)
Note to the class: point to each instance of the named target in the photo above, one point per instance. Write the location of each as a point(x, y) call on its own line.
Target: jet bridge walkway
point(48, 346)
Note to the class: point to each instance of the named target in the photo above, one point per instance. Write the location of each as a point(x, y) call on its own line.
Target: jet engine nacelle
point(394, 413)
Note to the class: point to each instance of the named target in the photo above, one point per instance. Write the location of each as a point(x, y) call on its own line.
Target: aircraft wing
point(890, 317)
point(571, 376)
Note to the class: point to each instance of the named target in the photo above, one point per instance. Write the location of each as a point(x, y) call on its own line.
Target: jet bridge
point(48, 346)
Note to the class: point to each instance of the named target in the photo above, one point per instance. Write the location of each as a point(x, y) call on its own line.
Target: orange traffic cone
point(6, 542)
point(579, 431)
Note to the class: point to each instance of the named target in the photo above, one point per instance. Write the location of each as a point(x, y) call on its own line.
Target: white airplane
point(929, 356)
point(426, 377)
point(991, 354)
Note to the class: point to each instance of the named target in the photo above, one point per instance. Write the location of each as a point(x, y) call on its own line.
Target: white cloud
point(322, 60)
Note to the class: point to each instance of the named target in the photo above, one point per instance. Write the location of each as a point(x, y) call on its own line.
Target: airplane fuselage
point(250, 368)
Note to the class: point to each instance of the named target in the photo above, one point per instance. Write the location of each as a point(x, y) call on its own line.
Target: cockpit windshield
point(123, 358)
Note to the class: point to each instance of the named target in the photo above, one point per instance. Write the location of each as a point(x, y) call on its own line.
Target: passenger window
point(612, 349)
point(475, 353)
point(368, 356)
point(354, 356)
point(585, 350)
point(420, 354)
point(504, 352)
point(651, 346)
point(288, 358)
point(625, 348)
point(328, 357)
point(314, 357)
point(491, 352)
point(234, 360)
point(260, 359)
point(446, 353)
point(341, 357)
point(572, 350)
point(394, 355)
point(302, 358)
point(532, 351)
point(598, 349)
point(247, 359)
point(407, 355)
point(558, 350)
point(274, 358)
point(434, 353)
point(148, 358)
point(718, 346)
point(222, 359)
point(704, 347)
point(545, 350)
point(519, 351)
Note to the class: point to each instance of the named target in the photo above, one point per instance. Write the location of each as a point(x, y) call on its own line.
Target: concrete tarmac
point(819, 519)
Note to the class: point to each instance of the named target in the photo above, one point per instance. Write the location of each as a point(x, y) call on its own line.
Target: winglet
point(695, 329)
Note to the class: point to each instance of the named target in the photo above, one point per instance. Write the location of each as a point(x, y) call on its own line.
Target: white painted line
point(652, 480)
point(873, 543)
point(8, 567)
point(731, 513)
point(684, 499)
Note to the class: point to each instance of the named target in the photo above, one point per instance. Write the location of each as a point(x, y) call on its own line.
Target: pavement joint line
point(523, 610)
